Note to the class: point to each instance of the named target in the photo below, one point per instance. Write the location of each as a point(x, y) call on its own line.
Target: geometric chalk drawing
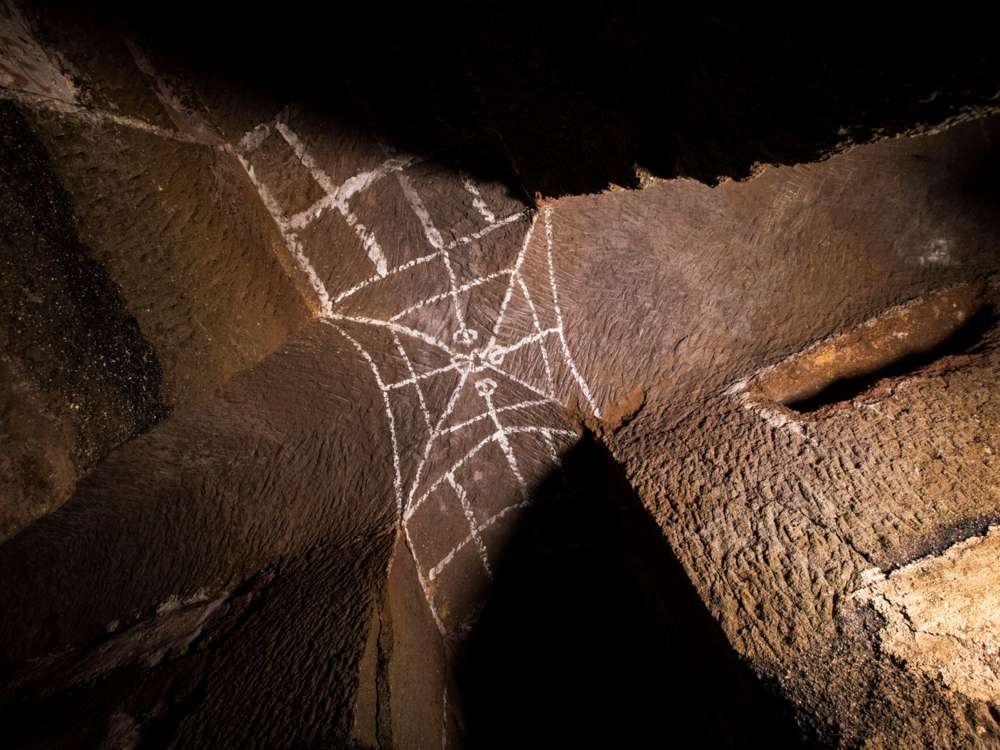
point(468, 375)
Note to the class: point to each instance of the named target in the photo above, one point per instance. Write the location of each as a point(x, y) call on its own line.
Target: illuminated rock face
point(319, 435)
point(941, 615)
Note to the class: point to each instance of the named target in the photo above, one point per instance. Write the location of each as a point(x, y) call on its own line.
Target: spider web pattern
point(510, 404)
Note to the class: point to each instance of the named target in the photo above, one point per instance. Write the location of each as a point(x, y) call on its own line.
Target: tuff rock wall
point(326, 425)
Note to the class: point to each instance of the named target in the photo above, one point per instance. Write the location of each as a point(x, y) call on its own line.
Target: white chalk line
point(522, 383)
point(317, 172)
point(444, 715)
point(481, 527)
point(477, 200)
point(449, 407)
point(444, 295)
point(398, 477)
point(341, 296)
point(292, 244)
point(253, 139)
point(502, 409)
point(424, 586)
point(550, 445)
point(473, 526)
point(414, 506)
point(420, 211)
point(500, 435)
point(435, 240)
point(486, 365)
point(510, 288)
point(367, 238)
point(384, 389)
point(348, 189)
point(411, 506)
point(478, 235)
point(396, 327)
point(416, 381)
point(496, 436)
point(505, 446)
point(375, 279)
point(337, 197)
point(538, 328)
point(531, 338)
point(185, 119)
point(547, 212)
point(513, 430)
point(95, 116)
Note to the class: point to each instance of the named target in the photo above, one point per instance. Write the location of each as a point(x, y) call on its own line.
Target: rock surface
point(941, 615)
point(325, 422)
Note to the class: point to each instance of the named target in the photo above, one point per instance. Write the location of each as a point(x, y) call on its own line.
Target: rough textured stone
point(79, 377)
point(139, 270)
point(326, 427)
point(941, 615)
point(776, 521)
point(889, 341)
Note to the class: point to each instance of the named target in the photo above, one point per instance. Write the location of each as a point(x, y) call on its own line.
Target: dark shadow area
point(574, 97)
point(58, 713)
point(63, 317)
point(52, 702)
point(593, 635)
point(964, 340)
point(947, 536)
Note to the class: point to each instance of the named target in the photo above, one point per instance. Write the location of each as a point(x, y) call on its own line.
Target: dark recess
point(82, 343)
point(576, 95)
point(593, 636)
point(964, 340)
